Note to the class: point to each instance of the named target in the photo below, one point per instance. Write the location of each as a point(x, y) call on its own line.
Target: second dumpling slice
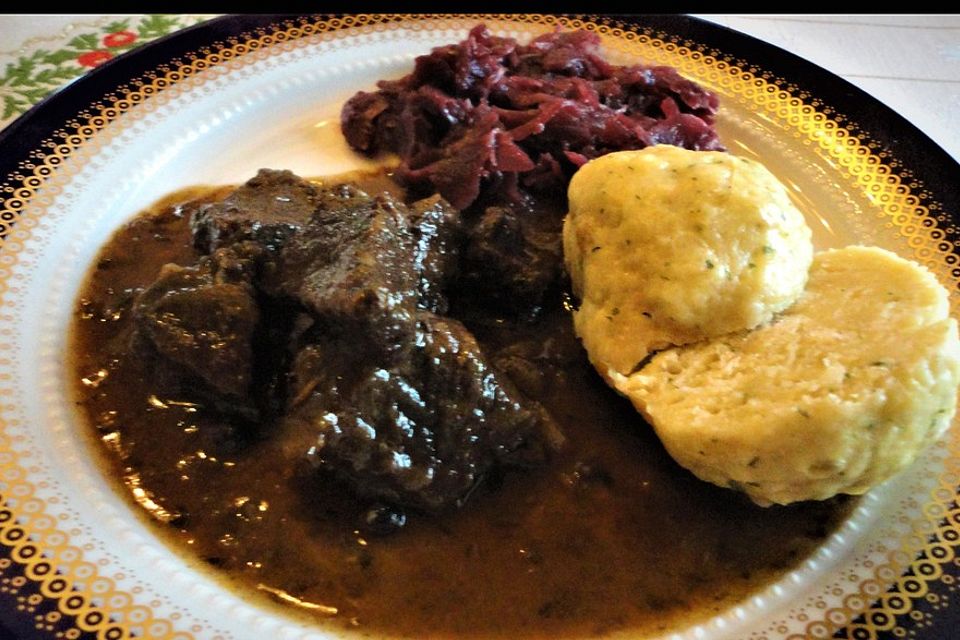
point(843, 390)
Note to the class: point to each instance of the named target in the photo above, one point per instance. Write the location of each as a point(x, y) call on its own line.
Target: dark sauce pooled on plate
point(604, 532)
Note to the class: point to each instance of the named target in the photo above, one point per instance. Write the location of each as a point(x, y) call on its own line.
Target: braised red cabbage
point(489, 114)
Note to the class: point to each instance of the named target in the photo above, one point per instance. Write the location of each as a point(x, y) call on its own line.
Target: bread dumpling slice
point(667, 246)
point(839, 393)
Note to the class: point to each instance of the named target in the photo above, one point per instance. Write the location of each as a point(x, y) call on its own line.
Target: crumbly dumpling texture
point(842, 391)
point(667, 246)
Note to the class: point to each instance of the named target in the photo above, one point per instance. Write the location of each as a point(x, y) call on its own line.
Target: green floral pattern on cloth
point(33, 73)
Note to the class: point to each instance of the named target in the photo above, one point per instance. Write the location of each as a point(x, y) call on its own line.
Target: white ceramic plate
point(271, 98)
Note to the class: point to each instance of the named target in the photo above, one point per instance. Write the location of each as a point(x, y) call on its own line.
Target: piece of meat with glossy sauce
point(438, 234)
point(513, 258)
point(360, 373)
point(421, 432)
point(268, 209)
point(200, 321)
point(364, 264)
point(352, 268)
point(396, 401)
point(275, 205)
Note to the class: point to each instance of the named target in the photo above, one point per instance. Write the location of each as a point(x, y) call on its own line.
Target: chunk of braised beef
point(421, 430)
point(535, 364)
point(268, 209)
point(438, 234)
point(201, 321)
point(364, 263)
point(473, 112)
point(332, 311)
point(512, 258)
point(352, 267)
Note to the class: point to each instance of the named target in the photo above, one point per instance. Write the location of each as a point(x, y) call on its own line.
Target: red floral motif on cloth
point(36, 70)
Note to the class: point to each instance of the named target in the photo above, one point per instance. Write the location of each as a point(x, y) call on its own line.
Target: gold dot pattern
point(920, 548)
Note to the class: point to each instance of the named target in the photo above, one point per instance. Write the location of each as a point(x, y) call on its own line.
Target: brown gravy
point(612, 535)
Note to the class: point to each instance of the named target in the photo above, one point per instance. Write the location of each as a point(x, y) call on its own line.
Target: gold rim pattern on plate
point(39, 544)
